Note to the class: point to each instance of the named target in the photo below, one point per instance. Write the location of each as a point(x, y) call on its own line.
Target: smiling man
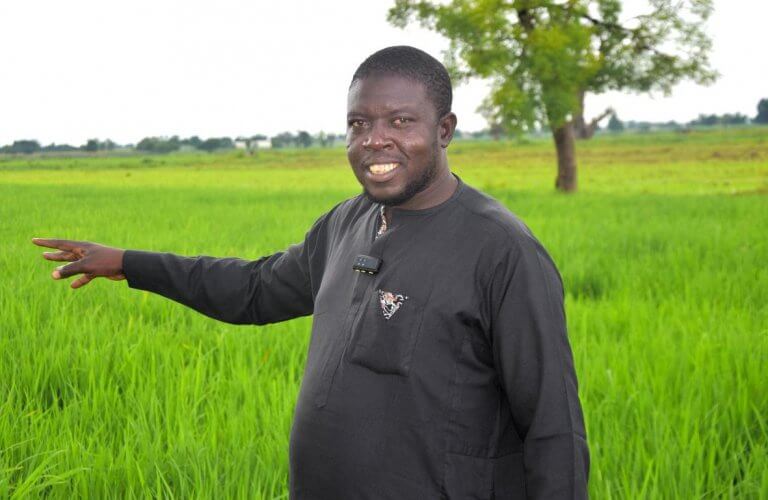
point(439, 365)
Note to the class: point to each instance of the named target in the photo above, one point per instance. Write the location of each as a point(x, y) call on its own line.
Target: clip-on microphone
point(366, 264)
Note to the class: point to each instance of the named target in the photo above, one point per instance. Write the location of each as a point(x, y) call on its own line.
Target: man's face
point(392, 137)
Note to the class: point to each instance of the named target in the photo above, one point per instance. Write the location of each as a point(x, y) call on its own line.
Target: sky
point(83, 69)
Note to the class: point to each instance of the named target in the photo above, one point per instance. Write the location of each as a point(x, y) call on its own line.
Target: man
point(439, 365)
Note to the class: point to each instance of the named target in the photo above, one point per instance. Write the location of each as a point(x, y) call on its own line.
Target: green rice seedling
point(108, 392)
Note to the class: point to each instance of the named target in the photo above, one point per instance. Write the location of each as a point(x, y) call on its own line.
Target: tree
point(91, 146)
point(762, 112)
point(146, 144)
point(25, 146)
point(215, 143)
point(326, 140)
point(193, 141)
point(303, 139)
point(282, 140)
point(713, 120)
point(614, 124)
point(159, 144)
point(58, 148)
point(209, 144)
point(497, 130)
point(734, 119)
point(544, 56)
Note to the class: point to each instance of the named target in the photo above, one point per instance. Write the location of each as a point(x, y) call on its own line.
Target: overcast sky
point(77, 69)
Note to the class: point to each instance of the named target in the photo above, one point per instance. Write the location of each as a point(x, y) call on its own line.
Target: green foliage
point(114, 393)
point(215, 143)
point(326, 140)
point(163, 145)
point(193, 141)
point(168, 145)
point(762, 112)
point(24, 146)
point(283, 140)
point(303, 139)
point(614, 124)
point(542, 55)
point(92, 145)
point(158, 144)
point(726, 119)
point(57, 148)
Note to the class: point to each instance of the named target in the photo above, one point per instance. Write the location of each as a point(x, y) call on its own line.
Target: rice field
point(107, 392)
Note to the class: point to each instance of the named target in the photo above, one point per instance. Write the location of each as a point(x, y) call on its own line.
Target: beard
point(411, 189)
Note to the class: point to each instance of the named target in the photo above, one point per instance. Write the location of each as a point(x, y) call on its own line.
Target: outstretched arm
point(273, 288)
point(267, 290)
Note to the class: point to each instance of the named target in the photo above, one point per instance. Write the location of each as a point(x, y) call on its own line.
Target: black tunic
point(447, 374)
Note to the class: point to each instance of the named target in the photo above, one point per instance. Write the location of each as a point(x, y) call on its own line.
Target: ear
point(445, 128)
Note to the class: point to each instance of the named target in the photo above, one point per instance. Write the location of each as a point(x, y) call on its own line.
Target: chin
point(388, 200)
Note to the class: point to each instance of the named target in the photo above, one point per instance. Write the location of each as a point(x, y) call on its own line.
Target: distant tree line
point(29, 146)
point(303, 139)
point(615, 124)
point(703, 120)
point(162, 145)
point(174, 143)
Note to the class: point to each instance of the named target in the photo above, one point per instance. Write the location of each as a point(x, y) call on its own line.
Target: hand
point(89, 259)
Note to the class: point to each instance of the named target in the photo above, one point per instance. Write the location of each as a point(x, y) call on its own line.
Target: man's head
point(399, 123)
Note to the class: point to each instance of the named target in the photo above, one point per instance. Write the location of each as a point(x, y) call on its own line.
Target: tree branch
point(606, 24)
point(593, 123)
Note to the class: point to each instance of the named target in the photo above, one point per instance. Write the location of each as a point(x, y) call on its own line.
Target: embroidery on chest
point(390, 302)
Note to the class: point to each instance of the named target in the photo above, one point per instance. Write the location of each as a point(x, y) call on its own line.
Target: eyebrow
point(408, 109)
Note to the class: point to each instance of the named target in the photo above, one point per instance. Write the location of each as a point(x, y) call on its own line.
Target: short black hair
point(414, 64)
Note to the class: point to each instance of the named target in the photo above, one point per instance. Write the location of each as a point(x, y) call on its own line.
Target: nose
point(377, 138)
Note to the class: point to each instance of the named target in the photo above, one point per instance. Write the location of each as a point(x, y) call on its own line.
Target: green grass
point(110, 392)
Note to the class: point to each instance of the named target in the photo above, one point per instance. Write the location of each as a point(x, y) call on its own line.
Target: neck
point(438, 191)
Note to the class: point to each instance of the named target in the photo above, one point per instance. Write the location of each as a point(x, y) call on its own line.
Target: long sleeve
point(534, 358)
point(273, 288)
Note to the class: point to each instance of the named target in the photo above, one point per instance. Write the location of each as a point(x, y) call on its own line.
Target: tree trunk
point(566, 157)
point(579, 125)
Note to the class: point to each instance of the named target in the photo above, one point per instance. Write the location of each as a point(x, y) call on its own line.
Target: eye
point(401, 120)
point(356, 123)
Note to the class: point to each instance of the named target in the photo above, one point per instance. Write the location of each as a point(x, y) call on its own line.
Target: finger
point(60, 256)
point(53, 243)
point(82, 281)
point(68, 270)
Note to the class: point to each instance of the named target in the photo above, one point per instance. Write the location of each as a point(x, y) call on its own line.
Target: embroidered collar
point(383, 226)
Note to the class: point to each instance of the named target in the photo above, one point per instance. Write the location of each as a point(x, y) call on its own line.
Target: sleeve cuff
point(142, 269)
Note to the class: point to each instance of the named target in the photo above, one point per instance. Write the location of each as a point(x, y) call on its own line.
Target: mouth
point(382, 172)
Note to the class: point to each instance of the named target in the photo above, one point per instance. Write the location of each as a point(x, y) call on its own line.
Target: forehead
point(381, 93)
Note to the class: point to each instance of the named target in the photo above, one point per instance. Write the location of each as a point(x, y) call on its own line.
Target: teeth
point(382, 168)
